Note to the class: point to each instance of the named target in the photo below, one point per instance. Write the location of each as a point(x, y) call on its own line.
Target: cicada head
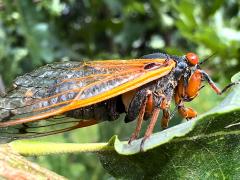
point(192, 59)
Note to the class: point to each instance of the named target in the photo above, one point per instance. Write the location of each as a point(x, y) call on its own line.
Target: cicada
point(69, 95)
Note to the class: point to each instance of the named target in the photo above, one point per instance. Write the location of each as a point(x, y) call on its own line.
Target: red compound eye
point(192, 58)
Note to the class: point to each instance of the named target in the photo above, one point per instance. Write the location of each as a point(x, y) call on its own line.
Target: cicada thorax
point(132, 100)
point(162, 87)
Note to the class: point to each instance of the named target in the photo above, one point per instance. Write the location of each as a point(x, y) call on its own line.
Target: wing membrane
point(58, 88)
point(49, 126)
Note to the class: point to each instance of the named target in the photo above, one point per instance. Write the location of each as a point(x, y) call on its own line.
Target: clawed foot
point(142, 143)
point(132, 138)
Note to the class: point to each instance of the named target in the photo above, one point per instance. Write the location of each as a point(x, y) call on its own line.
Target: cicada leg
point(144, 107)
point(186, 112)
point(161, 104)
point(186, 92)
point(165, 118)
point(214, 86)
point(150, 127)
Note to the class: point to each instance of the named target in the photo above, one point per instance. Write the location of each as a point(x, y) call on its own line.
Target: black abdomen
point(104, 111)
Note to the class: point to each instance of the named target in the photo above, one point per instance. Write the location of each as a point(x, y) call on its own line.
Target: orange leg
point(165, 119)
point(163, 104)
point(147, 101)
point(181, 96)
point(150, 127)
point(185, 112)
point(213, 85)
point(166, 113)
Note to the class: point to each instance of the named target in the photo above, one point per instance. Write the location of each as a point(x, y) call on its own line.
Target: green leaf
point(236, 77)
point(205, 148)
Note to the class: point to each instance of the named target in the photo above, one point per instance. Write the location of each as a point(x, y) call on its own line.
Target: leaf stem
point(32, 148)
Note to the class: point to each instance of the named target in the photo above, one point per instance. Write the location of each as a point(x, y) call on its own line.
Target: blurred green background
point(37, 32)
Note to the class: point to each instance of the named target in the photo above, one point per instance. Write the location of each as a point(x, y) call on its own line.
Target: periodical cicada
point(69, 95)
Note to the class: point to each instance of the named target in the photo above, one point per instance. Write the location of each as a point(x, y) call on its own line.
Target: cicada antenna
point(207, 58)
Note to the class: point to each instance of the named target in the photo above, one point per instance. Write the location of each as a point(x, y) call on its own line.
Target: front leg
point(180, 98)
point(214, 86)
point(186, 112)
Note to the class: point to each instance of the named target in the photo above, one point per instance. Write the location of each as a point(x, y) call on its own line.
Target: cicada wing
point(49, 126)
point(58, 88)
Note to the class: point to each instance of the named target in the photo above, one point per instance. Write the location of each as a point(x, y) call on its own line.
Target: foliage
point(206, 148)
point(36, 32)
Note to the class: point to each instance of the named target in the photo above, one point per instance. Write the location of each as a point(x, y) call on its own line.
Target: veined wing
point(48, 126)
point(58, 88)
